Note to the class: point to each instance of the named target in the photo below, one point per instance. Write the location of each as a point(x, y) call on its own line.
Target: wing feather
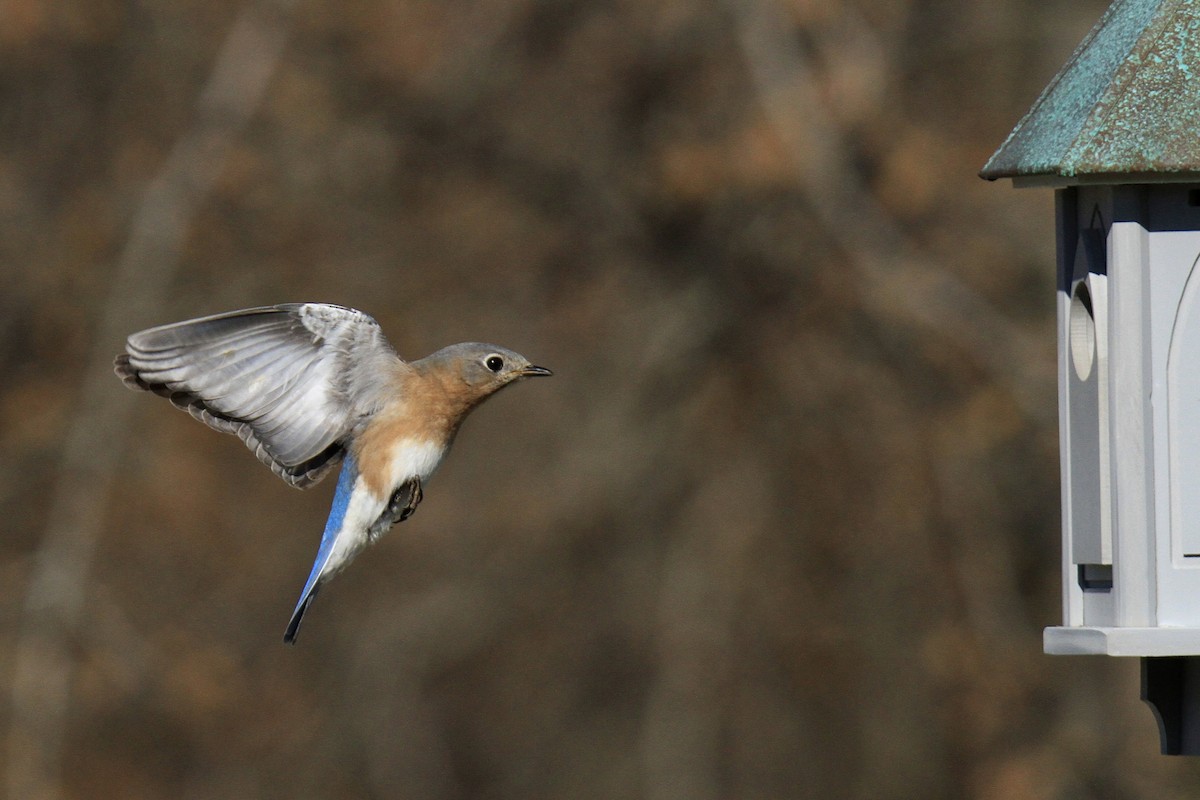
point(291, 381)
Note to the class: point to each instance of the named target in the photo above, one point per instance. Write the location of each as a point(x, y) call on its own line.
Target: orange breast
point(429, 411)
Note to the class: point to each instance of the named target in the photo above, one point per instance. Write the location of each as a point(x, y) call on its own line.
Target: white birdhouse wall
point(1129, 375)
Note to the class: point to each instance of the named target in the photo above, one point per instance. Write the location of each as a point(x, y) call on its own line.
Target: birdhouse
point(1117, 135)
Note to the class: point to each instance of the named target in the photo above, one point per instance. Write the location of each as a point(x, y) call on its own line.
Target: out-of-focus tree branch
point(54, 603)
point(897, 279)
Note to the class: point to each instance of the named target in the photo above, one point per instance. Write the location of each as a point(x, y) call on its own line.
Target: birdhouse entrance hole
point(1083, 331)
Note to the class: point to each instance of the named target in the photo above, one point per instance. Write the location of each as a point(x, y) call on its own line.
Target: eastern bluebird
point(306, 385)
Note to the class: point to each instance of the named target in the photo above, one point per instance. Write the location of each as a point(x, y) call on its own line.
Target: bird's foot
point(413, 500)
point(400, 507)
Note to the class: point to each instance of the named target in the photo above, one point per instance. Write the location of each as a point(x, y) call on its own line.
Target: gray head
point(479, 368)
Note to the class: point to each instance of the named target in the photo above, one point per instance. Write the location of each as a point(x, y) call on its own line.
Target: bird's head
point(480, 368)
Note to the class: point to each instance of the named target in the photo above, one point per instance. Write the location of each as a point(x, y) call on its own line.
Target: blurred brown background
point(784, 524)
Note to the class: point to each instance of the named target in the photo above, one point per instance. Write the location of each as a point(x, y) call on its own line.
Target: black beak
point(535, 372)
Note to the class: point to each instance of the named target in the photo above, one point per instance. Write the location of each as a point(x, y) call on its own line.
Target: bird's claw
point(400, 507)
point(414, 499)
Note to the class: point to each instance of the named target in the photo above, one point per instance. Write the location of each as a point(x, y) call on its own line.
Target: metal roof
point(1127, 103)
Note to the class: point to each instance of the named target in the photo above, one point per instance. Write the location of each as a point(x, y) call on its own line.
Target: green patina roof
point(1126, 103)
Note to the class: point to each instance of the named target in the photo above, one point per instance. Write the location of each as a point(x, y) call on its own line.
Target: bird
point(307, 386)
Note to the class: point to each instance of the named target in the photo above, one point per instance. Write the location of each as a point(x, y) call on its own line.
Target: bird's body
point(306, 385)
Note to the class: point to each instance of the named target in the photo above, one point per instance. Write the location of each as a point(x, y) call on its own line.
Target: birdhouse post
point(1117, 135)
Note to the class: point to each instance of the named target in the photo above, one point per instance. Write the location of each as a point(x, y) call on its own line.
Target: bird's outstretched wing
point(290, 380)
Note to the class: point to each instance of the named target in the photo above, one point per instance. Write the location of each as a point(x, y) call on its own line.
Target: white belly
point(362, 510)
point(409, 459)
point(412, 458)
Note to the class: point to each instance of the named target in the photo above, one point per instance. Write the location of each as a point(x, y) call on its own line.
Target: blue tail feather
point(333, 526)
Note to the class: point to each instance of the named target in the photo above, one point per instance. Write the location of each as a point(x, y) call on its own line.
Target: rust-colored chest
point(427, 411)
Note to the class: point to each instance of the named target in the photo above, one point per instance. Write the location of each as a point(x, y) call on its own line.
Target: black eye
point(494, 363)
